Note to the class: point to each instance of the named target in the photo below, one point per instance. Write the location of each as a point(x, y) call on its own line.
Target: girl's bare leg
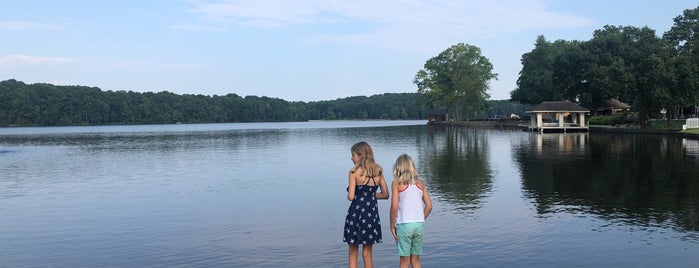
point(404, 262)
point(353, 255)
point(415, 261)
point(366, 255)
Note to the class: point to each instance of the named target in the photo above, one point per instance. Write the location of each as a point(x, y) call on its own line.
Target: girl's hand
point(393, 232)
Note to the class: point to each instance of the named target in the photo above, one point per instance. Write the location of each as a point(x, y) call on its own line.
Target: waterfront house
point(611, 107)
point(558, 116)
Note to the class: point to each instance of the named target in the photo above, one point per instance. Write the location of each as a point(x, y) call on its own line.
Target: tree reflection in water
point(641, 180)
point(455, 162)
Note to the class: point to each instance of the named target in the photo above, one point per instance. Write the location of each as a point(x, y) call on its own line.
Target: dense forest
point(44, 104)
point(50, 105)
point(634, 65)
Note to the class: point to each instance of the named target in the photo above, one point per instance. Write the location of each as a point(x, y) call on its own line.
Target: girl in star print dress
point(362, 223)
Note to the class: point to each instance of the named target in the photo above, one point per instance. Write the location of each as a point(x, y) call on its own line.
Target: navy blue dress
point(362, 223)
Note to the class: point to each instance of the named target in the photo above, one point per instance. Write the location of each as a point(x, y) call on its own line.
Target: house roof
point(558, 106)
point(614, 103)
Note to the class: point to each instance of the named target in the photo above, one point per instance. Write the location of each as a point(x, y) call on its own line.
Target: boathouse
point(558, 116)
point(436, 116)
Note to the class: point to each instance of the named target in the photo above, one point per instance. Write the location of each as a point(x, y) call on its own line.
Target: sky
point(296, 50)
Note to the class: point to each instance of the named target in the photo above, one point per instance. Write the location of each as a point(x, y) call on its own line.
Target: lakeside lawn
point(662, 124)
point(675, 125)
point(691, 131)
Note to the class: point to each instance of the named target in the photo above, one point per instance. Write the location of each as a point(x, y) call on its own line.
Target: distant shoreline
point(614, 129)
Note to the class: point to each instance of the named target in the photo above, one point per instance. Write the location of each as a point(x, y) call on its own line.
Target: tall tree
point(684, 41)
point(571, 71)
point(457, 79)
point(632, 64)
point(549, 72)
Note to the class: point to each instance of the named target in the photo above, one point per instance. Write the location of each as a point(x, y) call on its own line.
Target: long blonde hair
point(366, 160)
point(404, 171)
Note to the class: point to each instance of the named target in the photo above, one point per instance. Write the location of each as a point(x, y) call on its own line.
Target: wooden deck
point(556, 128)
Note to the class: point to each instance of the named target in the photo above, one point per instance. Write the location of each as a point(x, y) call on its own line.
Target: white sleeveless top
point(410, 205)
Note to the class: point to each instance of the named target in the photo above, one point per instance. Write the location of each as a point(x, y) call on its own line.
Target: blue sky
point(297, 50)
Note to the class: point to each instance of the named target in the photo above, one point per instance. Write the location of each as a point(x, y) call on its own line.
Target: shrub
point(617, 119)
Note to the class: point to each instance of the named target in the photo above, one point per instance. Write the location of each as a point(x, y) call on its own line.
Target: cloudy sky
point(297, 50)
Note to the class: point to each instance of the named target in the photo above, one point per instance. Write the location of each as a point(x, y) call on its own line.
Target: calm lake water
point(273, 195)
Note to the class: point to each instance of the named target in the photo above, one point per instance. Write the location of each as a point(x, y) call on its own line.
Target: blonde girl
point(410, 206)
point(362, 223)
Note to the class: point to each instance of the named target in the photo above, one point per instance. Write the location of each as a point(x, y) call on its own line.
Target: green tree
point(330, 115)
point(631, 64)
point(457, 79)
point(684, 41)
point(536, 81)
point(627, 63)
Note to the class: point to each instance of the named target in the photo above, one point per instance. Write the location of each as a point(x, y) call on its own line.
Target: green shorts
point(410, 238)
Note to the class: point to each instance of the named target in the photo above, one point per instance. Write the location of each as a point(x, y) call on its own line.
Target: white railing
point(691, 123)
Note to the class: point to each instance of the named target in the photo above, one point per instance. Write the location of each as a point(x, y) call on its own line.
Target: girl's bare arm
point(394, 209)
point(384, 189)
point(352, 182)
point(426, 199)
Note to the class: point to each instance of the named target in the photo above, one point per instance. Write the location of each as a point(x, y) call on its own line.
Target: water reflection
point(215, 195)
point(455, 160)
point(691, 147)
point(156, 141)
point(554, 144)
point(43, 161)
point(643, 180)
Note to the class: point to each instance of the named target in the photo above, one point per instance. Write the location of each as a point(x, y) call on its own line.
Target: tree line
point(44, 104)
point(627, 63)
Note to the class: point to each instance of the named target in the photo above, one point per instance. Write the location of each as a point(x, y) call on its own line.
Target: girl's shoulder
point(355, 170)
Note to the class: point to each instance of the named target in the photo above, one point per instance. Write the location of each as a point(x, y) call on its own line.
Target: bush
point(617, 119)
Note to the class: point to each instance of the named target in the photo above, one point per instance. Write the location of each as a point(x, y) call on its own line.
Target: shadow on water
point(455, 161)
point(641, 180)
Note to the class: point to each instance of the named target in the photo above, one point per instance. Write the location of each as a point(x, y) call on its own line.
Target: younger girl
point(362, 223)
point(410, 206)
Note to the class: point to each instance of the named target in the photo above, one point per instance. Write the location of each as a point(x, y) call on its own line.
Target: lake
point(273, 195)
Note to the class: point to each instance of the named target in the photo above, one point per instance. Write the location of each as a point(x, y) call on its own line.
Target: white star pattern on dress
point(362, 219)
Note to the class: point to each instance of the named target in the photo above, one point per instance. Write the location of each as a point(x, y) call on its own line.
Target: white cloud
point(406, 25)
point(184, 66)
point(28, 59)
point(258, 13)
point(145, 65)
point(198, 28)
point(26, 25)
